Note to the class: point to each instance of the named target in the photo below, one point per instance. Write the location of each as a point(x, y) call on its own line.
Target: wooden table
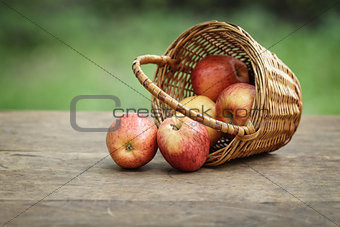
point(51, 174)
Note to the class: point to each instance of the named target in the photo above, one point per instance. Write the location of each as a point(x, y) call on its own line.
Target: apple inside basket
point(277, 106)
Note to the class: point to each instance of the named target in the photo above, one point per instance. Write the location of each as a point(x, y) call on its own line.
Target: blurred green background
point(37, 72)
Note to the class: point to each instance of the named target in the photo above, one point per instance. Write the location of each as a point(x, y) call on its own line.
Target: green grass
point(38, 72)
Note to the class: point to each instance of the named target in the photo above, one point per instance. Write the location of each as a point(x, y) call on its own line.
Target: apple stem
point(174, 127)
point(129, 147)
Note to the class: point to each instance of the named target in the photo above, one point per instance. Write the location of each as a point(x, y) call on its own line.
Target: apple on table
point(184, 143)
point(134, 143)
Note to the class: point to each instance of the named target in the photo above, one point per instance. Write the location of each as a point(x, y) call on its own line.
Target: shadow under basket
point(277, 105)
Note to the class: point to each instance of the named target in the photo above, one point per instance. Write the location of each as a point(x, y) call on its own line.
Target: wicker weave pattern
point(278, 101)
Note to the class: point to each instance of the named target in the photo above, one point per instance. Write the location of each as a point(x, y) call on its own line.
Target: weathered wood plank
point(39, 152)
point(163, 213)
point(51, 131)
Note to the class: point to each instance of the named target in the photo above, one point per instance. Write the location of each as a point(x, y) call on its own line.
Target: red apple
point(206, 107)
point(134, 143)
point(234, 103)
point(214, 73)
point(184, 143)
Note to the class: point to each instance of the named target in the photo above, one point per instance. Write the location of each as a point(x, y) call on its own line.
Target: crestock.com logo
point(73, 113)
point(119, 112)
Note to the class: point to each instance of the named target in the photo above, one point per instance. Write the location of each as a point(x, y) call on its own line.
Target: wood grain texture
point(299, 185)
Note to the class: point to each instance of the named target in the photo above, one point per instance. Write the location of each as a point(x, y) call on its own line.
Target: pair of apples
point(185, 143)
point(222, 79)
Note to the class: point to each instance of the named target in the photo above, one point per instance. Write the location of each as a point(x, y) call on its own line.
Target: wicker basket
point(278, 99)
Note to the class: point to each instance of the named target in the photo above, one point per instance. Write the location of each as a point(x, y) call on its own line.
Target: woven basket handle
point(242, 132)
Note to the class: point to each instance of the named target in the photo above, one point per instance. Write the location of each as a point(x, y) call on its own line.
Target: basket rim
point(206, 27)
point(260, 59)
